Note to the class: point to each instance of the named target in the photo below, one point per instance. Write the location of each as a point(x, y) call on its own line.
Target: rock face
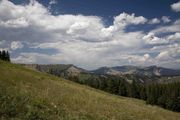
point(56, 69)
point(106, 70)
point(73, 70)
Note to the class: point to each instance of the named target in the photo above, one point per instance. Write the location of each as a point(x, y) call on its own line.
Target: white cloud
point(169, 54)
point(174, 37)
point(174, 27)
point(142, 60)
point(125, 19)
point(53, 2)
point(150, 38)
point(17, 23)
point(154, 21)
point(3, 45)
point(81, 40)
point(16, 45)
point(139, 59)
point(24, 58)
point(39, 25)
point(166, 19)
point(163, 55)
point(176, 7)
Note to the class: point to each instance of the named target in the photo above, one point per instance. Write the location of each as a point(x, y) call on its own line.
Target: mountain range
point(116, 71)
point(146, 71)
point(27, 94)
point(144, 75)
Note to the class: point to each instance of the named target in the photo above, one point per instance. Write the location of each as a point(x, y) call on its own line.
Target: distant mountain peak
point(116, 70)
point(139, 70)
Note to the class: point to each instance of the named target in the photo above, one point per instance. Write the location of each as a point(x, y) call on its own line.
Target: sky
point(92, 33)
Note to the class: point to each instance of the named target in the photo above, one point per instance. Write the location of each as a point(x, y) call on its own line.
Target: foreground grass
point(30, 95)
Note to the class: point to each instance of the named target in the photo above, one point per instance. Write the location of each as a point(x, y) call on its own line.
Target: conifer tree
point(122, 88)
point(0, 55)
point(134, 89)
point(3, 55)
point(7, 58)
point(143, 92)
point(102, 84)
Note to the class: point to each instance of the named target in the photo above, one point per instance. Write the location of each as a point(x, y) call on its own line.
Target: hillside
point(27, 94)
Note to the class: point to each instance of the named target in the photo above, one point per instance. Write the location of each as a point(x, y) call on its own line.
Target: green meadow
point(26, 94)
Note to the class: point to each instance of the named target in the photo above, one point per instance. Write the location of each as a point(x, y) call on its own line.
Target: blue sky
point(92, 33)
point(110, 8)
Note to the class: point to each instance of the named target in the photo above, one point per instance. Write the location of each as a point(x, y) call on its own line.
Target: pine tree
point(113, 85)
point(3, 55)
point(7, 56)
point(0, 55)
point(122, 88)
point(143, 92)
point(102, 84)
point(151, 94)
point(135, 90)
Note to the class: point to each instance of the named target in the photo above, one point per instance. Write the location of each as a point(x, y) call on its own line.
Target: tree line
point(4, 55)
point(166, 95)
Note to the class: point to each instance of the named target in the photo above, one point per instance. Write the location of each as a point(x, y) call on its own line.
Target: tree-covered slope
point(30, 95)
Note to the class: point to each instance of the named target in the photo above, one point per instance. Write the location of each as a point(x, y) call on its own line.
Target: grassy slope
point(28, 94)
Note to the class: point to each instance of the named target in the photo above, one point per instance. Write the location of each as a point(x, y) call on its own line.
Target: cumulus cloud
point(150, 38)
point(169, 54)
point(81, 40)
point(34, 21)
point(24, 58)
point(127, 19)
point(174, 37)
point(16, 23)
point(53, 2)
point(154, 21)
point(166, 19)
point(174, 27)
point(137, 59)
point(176, 7)
point(16, 45)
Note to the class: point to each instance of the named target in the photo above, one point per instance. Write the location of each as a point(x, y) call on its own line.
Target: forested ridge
point(166, 95)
